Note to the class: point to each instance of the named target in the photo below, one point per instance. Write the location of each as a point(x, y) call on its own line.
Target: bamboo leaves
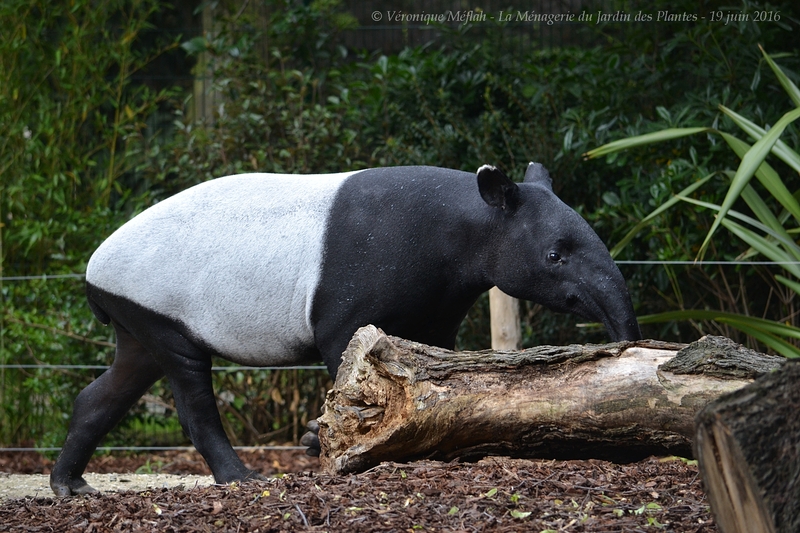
point(663, 207)
point(640, 140)
point(790, 88)
point(789, 156)
point(751, 161)
point(765, 233)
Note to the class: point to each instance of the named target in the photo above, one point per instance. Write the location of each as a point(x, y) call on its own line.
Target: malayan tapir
point(269, 269)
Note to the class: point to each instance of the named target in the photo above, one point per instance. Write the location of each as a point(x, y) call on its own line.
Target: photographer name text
point(531, 16)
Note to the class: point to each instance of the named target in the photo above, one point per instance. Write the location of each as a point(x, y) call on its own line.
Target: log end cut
point(748, 450)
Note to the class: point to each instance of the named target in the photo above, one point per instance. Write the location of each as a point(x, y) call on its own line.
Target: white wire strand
point(45, 277)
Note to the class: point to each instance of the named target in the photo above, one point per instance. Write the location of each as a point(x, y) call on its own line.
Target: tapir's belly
point(236, 260)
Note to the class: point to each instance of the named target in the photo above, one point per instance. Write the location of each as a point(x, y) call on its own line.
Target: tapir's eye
point(554, 257)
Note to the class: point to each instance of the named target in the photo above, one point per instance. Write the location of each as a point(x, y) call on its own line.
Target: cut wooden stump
point(399, 400)
point(748, 450)
point(504, 320)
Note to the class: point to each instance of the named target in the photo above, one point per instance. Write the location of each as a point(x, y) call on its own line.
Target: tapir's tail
point(98, 311)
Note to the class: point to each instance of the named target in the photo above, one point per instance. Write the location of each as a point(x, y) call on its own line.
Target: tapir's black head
point(546, 253)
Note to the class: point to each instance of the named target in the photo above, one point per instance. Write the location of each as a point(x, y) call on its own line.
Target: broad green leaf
point(764, 247)
point(660, 209)
point(775, 328)
point(789, 283)
point(761, 210)
point(762, 324)
point(639, 140)
point(195, 46)
point(767, 176)
point(790, 88)
point(781, 346)
point(750, 163)
point(786, 154)
point(779, 234)
point(770, 333)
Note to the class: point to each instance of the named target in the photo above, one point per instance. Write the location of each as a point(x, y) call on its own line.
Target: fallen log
point(748, 451)
point(399, 400)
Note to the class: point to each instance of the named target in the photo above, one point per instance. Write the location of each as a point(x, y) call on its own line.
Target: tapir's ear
point(536, 173)
point(497, 189)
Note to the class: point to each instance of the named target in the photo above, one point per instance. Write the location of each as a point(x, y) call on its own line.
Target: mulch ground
point(495, 494)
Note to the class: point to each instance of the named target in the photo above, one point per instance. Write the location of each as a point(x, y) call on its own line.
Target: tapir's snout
point(611, 304)
point(607, 301)
point(625, 330)
point(615, 311)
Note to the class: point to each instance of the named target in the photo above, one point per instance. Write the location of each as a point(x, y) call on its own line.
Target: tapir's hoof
point(241, 475)
point(311, 439)
point(255, 476)
point(72, 487)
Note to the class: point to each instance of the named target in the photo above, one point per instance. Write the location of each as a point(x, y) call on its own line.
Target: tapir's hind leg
point(99, 407)
point(190, 379)
point(186, 362)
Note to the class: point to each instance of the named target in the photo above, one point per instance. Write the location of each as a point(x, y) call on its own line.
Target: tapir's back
point(236, 260)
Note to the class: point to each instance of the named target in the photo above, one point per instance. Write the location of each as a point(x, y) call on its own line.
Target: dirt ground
point(494, 494)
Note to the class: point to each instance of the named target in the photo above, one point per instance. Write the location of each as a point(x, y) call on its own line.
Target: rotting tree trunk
point(399, 400)
point(748, 450)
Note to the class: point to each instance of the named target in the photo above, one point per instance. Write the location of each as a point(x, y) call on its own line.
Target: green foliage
point(696, 69)
point(458, 107)
point(81, 151)
point(150, 468)
point(81, 155)
point(280, 101)
point(770, 235)
point(72, 133)
point(464, 104)
point(270, 406)
point(45, 322)
point(72, 125)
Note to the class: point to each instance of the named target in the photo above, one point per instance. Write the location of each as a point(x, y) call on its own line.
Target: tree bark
point(399, 400)
point(748, 450)
point(504, 320)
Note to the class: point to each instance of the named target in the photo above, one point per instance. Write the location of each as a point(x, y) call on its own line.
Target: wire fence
point(258, 404)
point(382, 26)
point(154, 407)
point(45, 277)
